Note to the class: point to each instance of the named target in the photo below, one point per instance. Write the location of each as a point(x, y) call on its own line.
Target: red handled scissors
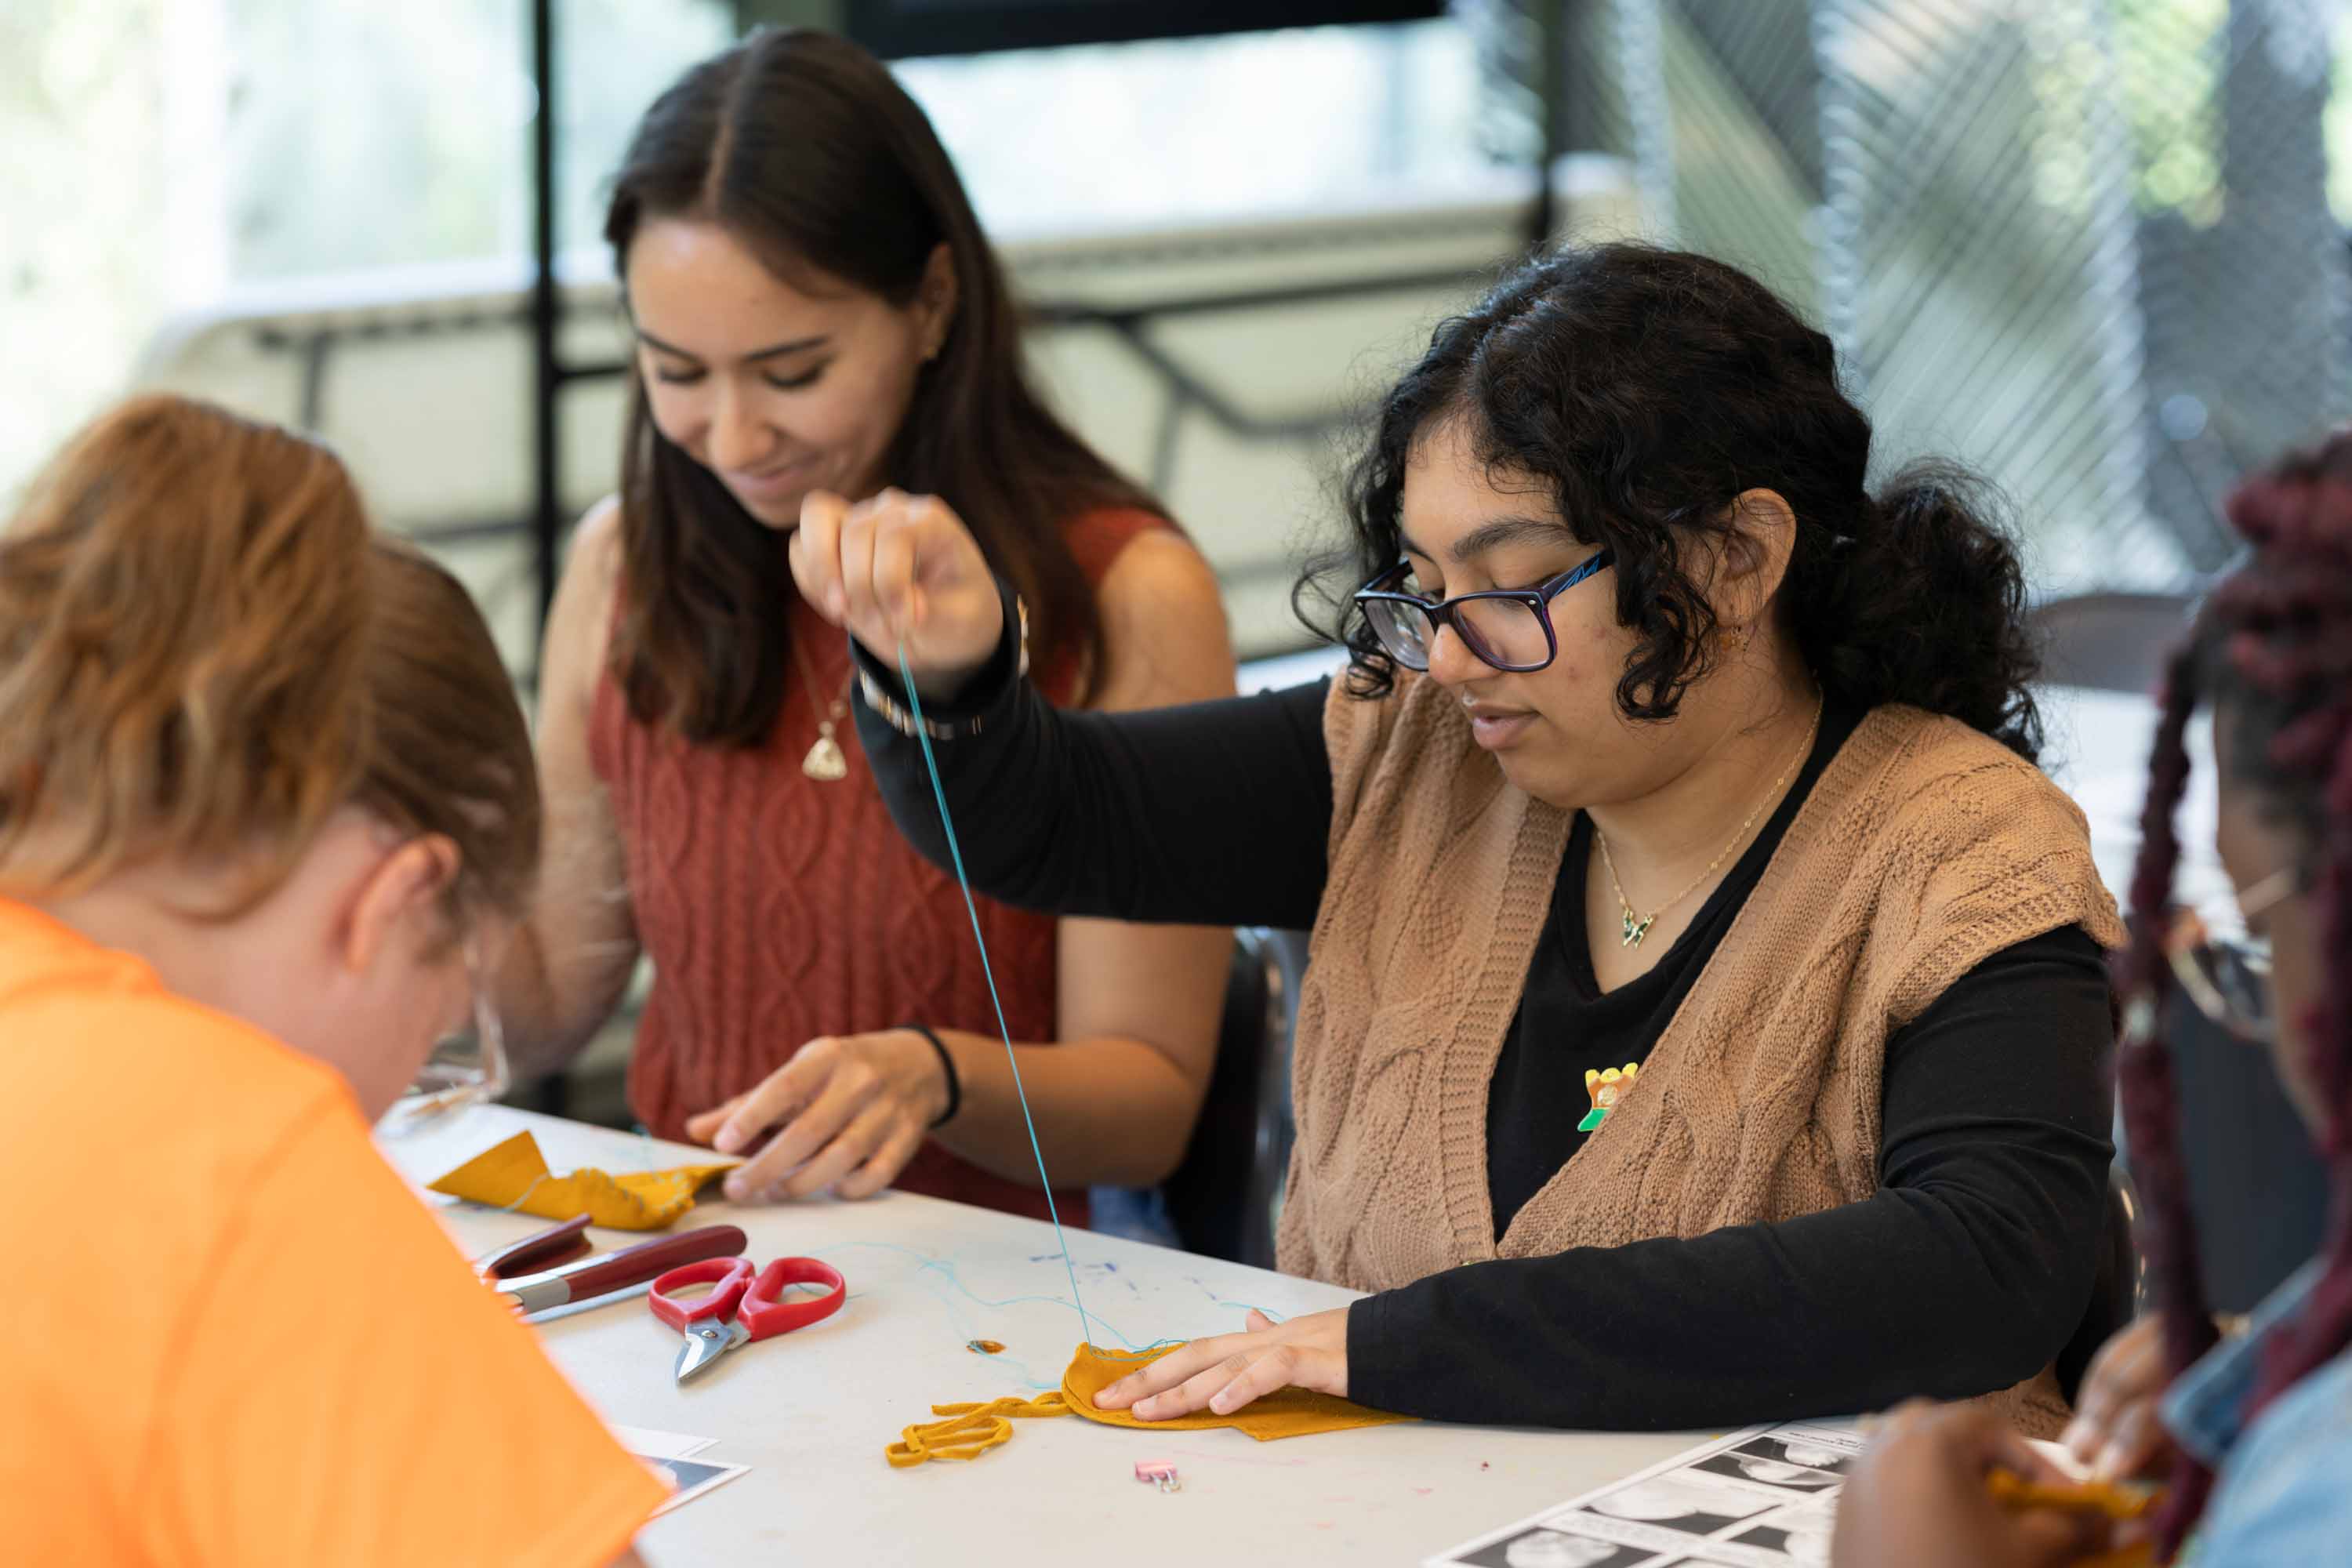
point(743, 1304)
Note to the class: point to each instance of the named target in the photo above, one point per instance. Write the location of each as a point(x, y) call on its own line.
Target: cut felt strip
point(970, 1431)
point(514, 1175)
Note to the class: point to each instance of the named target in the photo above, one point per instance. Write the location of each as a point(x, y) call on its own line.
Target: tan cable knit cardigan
point(1924, 849)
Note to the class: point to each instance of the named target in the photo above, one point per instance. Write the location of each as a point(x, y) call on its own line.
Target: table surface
point(811, 1412)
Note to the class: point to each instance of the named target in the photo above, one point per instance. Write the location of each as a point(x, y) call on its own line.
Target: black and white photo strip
point(1748, 1501)
point(1543, 1547)
point(1796, 1450)
point(1685, 1519)
point(1684, 1501)
point(1742, 1466)
point(1796, 1539)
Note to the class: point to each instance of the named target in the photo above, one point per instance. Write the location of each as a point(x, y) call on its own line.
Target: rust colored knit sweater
point(779, 909)
point(1924, 849)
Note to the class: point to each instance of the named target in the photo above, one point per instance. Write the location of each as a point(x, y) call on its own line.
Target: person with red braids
point(2255, 1444)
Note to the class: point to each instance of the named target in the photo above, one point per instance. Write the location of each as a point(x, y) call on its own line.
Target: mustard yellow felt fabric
point(514, 1175)
point(970, 1431)
point(1291, 1413)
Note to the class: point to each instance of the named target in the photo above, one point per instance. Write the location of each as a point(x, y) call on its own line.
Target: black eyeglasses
point(2221, 966)
point(1509, 628)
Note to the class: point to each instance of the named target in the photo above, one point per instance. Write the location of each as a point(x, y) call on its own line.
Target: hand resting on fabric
point(1229, 1371)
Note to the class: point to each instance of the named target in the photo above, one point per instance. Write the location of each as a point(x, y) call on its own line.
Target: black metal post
point(550, 1094)
point(546, 426)
point(1552, 30)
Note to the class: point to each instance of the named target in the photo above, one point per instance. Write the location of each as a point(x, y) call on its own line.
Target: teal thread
point(1003, 1030)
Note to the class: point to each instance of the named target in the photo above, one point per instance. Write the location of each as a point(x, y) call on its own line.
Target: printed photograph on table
point(1742, 1499)
point(689, 1478)
point(1796, 1538)
point(1771, 1472)
point(1805, 1454)
point(1544, 1547)
point(1682, 1503)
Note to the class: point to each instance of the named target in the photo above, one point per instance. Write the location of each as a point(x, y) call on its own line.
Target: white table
point(810, 1411)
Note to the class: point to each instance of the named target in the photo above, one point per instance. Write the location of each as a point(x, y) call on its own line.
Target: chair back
point(1223, 1197)
point(2110, 642)
point(2117, 1289)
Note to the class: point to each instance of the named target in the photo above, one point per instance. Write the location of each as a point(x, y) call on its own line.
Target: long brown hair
point(804, 147)
point(206, 652)
point(2273, 651)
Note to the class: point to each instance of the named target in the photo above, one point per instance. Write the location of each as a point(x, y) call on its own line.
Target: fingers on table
point(845, 1123)
point(705, 1126)
point(846, 1150)
point(882, 1167)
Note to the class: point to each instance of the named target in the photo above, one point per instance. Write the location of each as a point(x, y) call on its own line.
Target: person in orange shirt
point(267, 807)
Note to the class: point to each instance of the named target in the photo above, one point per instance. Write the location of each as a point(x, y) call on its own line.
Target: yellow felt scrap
point(514, 1175)
point(1287, 1413)
point(972, 1430)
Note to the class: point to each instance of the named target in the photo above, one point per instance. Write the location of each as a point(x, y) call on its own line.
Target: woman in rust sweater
point(818, 319)
point(1706, 1007)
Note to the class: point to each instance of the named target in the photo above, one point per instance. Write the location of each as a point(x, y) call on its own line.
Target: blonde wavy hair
point(206, 652)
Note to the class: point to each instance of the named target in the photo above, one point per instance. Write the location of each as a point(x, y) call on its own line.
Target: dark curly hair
point(1647, 389)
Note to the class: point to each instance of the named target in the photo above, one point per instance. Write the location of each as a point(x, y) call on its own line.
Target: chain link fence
point(2085, 245)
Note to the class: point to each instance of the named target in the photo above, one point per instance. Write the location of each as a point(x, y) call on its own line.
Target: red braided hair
point(2274, 651)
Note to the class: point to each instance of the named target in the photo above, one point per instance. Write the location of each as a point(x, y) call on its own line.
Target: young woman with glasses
point(1708, 996)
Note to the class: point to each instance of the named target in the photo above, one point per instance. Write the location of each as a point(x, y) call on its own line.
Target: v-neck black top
point(1567, 1024)
point(1965, 1273)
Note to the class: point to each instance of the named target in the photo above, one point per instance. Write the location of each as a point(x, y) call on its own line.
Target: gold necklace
point(825, 761)
point(1638, 928)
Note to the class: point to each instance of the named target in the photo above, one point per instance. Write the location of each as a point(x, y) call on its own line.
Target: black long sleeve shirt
point(1965, 1273)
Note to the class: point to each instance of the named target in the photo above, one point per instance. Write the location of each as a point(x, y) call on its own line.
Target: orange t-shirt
point(229, 1333)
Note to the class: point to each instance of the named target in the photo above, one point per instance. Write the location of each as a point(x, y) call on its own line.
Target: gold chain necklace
point(824, 761)
point(1636, 928)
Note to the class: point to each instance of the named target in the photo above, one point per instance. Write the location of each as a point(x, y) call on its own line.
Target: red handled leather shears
point(598, 1273)
point(744, 1304)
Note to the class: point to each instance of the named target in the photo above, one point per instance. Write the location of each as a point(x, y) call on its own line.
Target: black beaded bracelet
point(947, 1066)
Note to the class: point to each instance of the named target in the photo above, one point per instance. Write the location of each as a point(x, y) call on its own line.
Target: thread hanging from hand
point(1003, 1030)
